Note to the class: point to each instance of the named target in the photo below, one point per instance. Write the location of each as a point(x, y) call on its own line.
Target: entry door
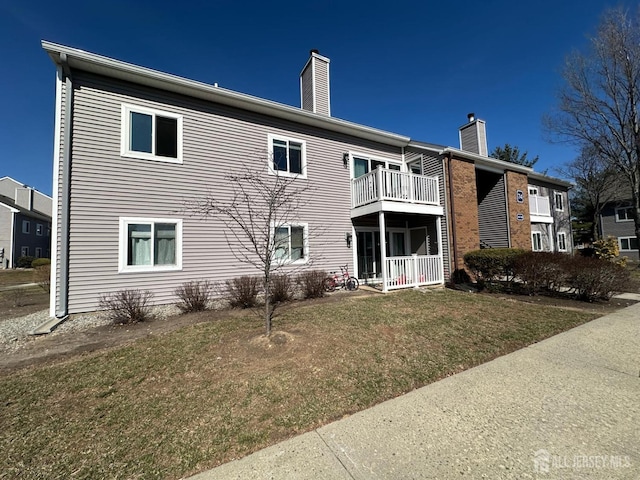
point(368, 254)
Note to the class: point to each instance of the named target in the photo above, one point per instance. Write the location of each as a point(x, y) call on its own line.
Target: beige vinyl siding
point(217, 140)
point(322, 87)
point(469, 139)
point(307, 88)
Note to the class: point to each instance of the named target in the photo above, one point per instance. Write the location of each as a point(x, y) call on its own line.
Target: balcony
point(413, 271)
point(540, 209)
point(391, 190)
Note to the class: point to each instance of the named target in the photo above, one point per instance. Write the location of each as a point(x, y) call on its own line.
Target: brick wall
point(464, 220)
point(520, 229)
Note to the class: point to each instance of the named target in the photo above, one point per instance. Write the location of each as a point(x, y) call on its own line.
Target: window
point(624, 214)
point(38, 252)
point(628, 243)
point(150, 244)
point(562, 242)
point(558, 201)
point(26, 226)
point(39, 229)
point(287, 157)
point(24, 251)
point(363, 165)
point(533, 190)
point(151, 134)
point(290, 243)
point(536, 241)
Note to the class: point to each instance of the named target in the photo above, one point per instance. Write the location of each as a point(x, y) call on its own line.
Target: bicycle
point(344, 280)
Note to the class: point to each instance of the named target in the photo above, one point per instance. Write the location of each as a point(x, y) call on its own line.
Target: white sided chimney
point(473, 136)
point(314, 84)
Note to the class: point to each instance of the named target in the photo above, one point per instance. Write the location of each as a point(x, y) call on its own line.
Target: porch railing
point(414, 271)
point(385, 184)
point(539, 206)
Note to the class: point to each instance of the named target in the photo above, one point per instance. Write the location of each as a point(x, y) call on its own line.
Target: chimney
point(473, 136)
point(314, 84)
point(24, 197)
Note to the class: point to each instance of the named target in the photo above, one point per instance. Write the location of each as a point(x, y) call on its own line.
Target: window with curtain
point(150, 244)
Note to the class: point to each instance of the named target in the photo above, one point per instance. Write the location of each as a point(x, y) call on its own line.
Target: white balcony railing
point(413, 271)
point(539, 206)
point(385, 184)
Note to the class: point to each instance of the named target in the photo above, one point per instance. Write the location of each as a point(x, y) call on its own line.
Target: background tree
point(598, 104)
point(260, 207)
point(596, 184)
point(513, 155)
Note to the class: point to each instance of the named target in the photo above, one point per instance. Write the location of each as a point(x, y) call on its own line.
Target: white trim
point(555, 202)
point(305, 240)
point(11, 209)
point(538, 234)
point(368, 156)
point(533, 190)
point(540, 219)
point(329, 90)
point(125, 151)
point(623, 208)
point(564, 235)
point(55, 195)
point(313, 85)
point(629, 238)
point(270, 167)
point(123, 242)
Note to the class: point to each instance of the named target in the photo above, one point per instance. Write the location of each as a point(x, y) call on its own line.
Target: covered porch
point(396, 250)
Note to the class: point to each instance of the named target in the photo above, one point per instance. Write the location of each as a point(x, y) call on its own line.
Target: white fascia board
point(11, 209)
point(488, 161)
point(552, 180)
point(108, 67)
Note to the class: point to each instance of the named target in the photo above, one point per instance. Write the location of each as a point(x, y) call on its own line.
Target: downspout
point(66, 191)
point(454, 237)
point(11, 253)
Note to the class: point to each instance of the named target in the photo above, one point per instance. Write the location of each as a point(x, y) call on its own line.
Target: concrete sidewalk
point(567, 407)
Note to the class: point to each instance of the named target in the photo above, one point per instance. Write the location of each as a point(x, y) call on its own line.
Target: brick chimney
point(473, 136)
point(314, 84)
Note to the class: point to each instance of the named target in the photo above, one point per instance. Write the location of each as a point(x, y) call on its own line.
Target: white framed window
point(151, 134)
point(287, 156)
point(562, 242)
point(533, 190)
point(39, 229)
point(291, 243)
point(558, 201)
point(24, 251)
point(26, 226)
point(628, 243)
point(363, 164)
point(150, 244)
point(536, 241)
point(624, 214)
point(38, 252)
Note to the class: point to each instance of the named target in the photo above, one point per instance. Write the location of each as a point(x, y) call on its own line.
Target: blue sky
point(413, 68)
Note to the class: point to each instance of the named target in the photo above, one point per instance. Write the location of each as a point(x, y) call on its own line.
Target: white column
point(383, 250)
point(552, 240)
point(441, 262)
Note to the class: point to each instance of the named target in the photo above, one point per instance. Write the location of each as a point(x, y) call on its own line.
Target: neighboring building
point(617, 220)
point(550, 214)
point(132, 144)
point(25, 222)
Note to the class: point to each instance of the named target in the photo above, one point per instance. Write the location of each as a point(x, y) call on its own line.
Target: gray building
point(550, 214)
point(617, 220)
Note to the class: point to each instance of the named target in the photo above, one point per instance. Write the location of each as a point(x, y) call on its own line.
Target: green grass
point(169, 406)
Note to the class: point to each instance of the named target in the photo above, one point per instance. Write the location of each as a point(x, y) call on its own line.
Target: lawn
point(15, 277)
point(176, 404)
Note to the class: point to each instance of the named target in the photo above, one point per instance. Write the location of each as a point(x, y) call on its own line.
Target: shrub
point(194, 296)
point(281, 288)
point(594, 278)
point(606, 248)
point(313, 283)
point(541, 270)
point(127, 306)
point(39, 262)
point(17, 297)
point(25, 262)
point(491, 263)
point(243, 291)
point(42, 276)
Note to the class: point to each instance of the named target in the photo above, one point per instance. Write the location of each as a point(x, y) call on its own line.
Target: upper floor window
point(39, 229)
point(151, 134)
point(290, 243)
point(533, 190)
point(150, 244)
point(624, 214)
point(363, 165)
point(26, 226)
point(287, 156)
point(558, 201)
point(536, 241)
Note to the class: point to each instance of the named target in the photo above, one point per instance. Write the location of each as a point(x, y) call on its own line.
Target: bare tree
point(597, 184)
point(598, 105)
point(261, 217)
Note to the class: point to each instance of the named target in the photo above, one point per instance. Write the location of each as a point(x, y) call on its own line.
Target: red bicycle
point(344, 280)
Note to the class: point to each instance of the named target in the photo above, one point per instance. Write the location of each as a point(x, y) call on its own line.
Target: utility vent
point(473, 136)
point(314, 84)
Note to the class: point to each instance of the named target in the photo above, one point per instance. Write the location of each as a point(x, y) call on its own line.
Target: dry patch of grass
point(173, 405)
point(15, 277)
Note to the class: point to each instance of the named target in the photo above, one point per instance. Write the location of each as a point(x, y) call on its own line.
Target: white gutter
point(98, 64)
